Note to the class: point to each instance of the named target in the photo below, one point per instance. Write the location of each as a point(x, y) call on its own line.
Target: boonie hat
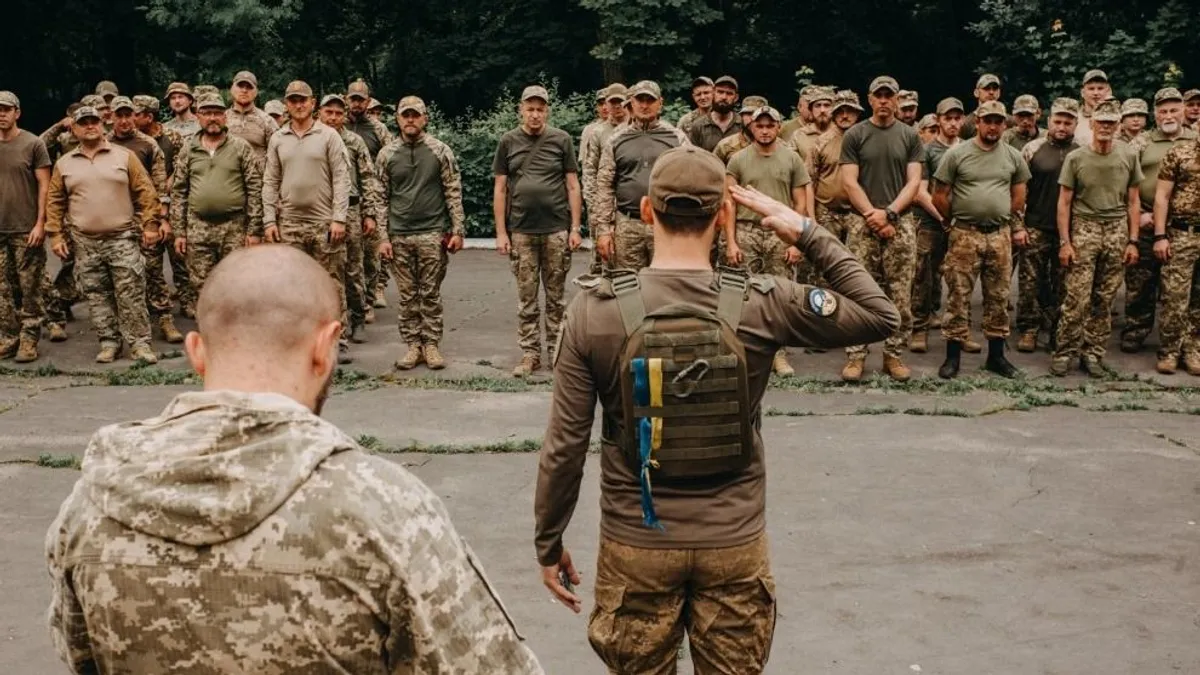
point(846, 99)
point(179, 88)
point(687, 181)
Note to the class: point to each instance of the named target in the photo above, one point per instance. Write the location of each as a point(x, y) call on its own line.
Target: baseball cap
point(94, 100)
point(616, 90)
point(907, 98)
point(86, 111)
point(929, 120)
point(535, 91)
point(1026, 103)
point(202, 89)
point(358, 89)
point(1135, 106)
point(949, 103)
point(702, 81)
point(884, 82)
point(413, 103)
point(821, 94)
point(1065, 106)
point(987, 80)
point(769, 112)
point(10, 99)
point(1191, 94)
point(846, 99)
point(209, 101)
point(1167, 94)
point(179, 88)
point(298, 88)
point(602, 94)
point(333, 98)
point(991, 109)
point(1095, 74)
point(274, 107)
point(106, 88)
point(645, 88)
point(687, 181)
point(246, 76)
point(1107, 111)
point(727, 81)
point(752, 103)
point(373, 104)
point(143, 103)
point(121, 102)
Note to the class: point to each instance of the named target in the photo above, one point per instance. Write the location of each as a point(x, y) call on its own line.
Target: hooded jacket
point(240, 533)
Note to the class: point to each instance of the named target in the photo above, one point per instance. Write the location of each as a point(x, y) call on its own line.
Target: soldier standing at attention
point(423, 189)
point(881, 171)
point(180, 99)
point(246, 120)
point(1096, 89)
point(987, 88)
point(375, 135)
point(1191, 109)
point(909, 104)
point(288, 502)
point(683, 545)
point(589, 156)
point(622, 178)
point(276, 110)
point(24, 182)
point(803, 114)
point(1177, 246)
point(145, 117)
point(702, 96)
point(833, 208)
point(927, 128)
point(820, 108)
point(981, 186)
point(1099, 210)
point(1026, 112)
point(108, 90)
point(590, 129)
point(1134, 116)
point(728, 147)
point(720, 122)
point(537, 207)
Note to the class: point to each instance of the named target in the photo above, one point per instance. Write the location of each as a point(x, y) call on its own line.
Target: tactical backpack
point(684, 387)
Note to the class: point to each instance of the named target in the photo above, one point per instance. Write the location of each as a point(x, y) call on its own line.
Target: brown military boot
point(58, 333)
point(411, 358)
point(1028, 341)
point(935, 321)
point(853, 370)
point(369, 315)
point(525, 368)
point(895, 368)
point(109, 352)
point(380, 298)
point(434, 358)
point(8, 347)
point(970, 346)
point(1167, 364)
point(781, 366)
point(1191, 363)
point(144, 354)
point(919, 343)
point(27, 351)
point(169, 332)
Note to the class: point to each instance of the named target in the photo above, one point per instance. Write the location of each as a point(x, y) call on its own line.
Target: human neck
point(531, 132)
point(675, 252)
point(185, 116)
point(644, 125)
point(303, 124)
point(212, 139)
point(255, 379)
point(1101, 147)
point(722, 119)
point(10, 133)
point(243, 108)
point(981, 144)
point(946, 140)
point(90, 148)
point(822, 126)
point(882, 122)
point(766, 149)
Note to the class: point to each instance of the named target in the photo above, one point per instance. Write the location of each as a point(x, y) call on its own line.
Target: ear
point(646, 211)
point(325, 346)
point(197, 355)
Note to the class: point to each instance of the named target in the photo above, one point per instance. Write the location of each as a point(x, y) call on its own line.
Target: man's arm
point(339, 172)
point(252, 184)
point(574, 201)
point(603, 215)
point(143, 194)
point(500, 194)
point(56, 207)
point(158, 177)
point(372, 192)
point(911, 185)
point(1133, 200)
point(452, 189)
point(270, 184)
point(854, 191)
point(68, 625)
point(941, 198)
point(924, 199)
point(181, 185)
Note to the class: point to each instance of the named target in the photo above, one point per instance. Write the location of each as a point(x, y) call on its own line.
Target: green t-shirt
point(981, 180)
point(1100, 182)
point(1150, 152)
point(882, 155)
point(537, 185)
point(774, 175)
point(931, 157)
point(20, 158)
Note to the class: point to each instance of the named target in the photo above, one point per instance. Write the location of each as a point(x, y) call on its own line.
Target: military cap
point(949, 103)
point(1135, 106)
point(1191, 94)
point(645, 88)
point(991, 109)
point(821, 94)
point(702, 81)
point(358, 89)
point(727, 81)
point(535, 91)
point(84, 112)
point(120, 102)
point(107, 88)
point(687, 181)
point(209, 101)
point(752, 103)
point(929, 120)
point(986, 80)
point(806, 92)
point(202, 89)
point(1167, 94)
point(616, 90)
point(1026, 103)
point(1107, 111)
point(1095, 75)
point(768, 111)
point(333, 98)
point(413, 103)
point(94, 100)
point(373, 104)
point(275, 107)
point(846, 99)
point(298, 88)
point(908, 98)
point(144, 103)
point(602, 94)
point(245, 76)
point(1065, 106)
point(884, 82)
point(10, 99)
point(179, 88)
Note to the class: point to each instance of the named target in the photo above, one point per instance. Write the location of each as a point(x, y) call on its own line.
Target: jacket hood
point(210, 468)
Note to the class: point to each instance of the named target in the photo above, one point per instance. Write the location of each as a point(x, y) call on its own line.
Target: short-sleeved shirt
point(774, 175)
point(1181, 166)
point(882, 155)
point(981, 180)
point(1151, 147)
point(931, 157)
point(537, 184)
point(1101, 182)
point(19, 158)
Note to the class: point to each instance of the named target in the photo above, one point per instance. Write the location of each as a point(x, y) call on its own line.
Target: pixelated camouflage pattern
point(313, 239)
point(539, 261)
point(1089, 287)
point(763, 251)
point(728, 147)
point(111, 273)
point(986, 256)
point(357, 301)
point(364, 182)
point(184, 219)
point(1039, 283)
point(892, 263)
point(688, 119)
point(1181, 166)
point(603, 217)
point(26, 265)
point(927, 280)
point(419, 263)
point(255, 127)
point(1179, 332)
point(633, 244)
point(184, 128)
point(59, 140)
point(451, 178)
point(589, 156)
point(210, 243)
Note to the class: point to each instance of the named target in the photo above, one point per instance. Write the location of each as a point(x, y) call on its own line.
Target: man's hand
point(877, 219)
point(337, 232)
point(575, 239)
point(385, 250)
point(59, 248)
point(36, 236)
point(271, 234)
point(1066, 255)
point(792, 255)
point(253, 240)
point(1147, 220)
point(149, 238)
point(887, 232)
point(1162, 250)
point(776, 216)
point(606, 246)
point(368, 226)
point(503, 243)
point(551, 578)
point(1020, 238)
point(455, 244)
point(733, 254)
point(181, 245)
point(164, 229)
point(1131, 255)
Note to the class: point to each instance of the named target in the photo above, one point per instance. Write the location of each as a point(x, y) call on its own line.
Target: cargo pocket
point(478, 567)
point(770, 614)
point(605, 631)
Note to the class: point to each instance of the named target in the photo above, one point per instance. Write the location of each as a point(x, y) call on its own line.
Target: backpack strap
point(628, 291)
point(732, 284)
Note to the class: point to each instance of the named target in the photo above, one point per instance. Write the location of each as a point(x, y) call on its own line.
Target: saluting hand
point(776, 216)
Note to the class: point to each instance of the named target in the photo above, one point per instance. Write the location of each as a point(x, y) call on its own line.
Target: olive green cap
point(687, 181)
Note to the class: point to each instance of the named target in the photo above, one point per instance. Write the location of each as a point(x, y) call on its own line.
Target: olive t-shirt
point(774, 175)
point(882, 155)
point(1101, 182)
point(19, 158)
point(931, 157)
point(537, 184)
point(981, 180)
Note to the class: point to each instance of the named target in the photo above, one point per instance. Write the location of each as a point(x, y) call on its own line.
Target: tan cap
point(602, 94)
point(908, 99)
point(645, 88)
point(616, 90)
point(1167, 94)
point(245, 76)
point(275, 107)
point(1095, 75)
point(413, 103)
point(726, 81)
point(702, 81)
point(687, 181)
point(209, 101)
point(991, 109)
point(10, 99)
point(358, 89)
point(884, 82)
point(768, 111)
point(1026, 103)
point(298, 88)
point(752, 103)
point(846, 99)
point(96, 101)
point(84, 112)
point(821, 94)
point(1191, 94)
point(929, 120)
point(949, 103)
point(143, 103)
point(179, 88)
point(107, 88)
point(122, 102)
point(987, 80)
point(535, 91)
point(1135, 106)
point(333, 98)
point(1107, 111)
point(373, 103)
point(1065, 106)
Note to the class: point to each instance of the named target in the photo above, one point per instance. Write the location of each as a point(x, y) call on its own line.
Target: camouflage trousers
point(357, 298)
point(1141, 290)
point(762, 251)
point(111, 273)
point(185, 292)
point(1179, 333)
point(646, 599)
point(375, 275)
point(61, 292)
point(927, 278)
point(973, 254)
point(419, 264)
point(22, 273)
point(837, 222)
point(313, 239)
point(1039, 283)
point(208, 243)
point(539, 261)
point(633, 241)
point(158, 294)
point(892, 263)
point(1089, 287)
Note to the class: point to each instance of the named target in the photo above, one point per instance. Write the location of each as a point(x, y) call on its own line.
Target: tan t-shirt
point(775, 175)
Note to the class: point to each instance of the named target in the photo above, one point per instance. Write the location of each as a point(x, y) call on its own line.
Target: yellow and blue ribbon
point(647, 392)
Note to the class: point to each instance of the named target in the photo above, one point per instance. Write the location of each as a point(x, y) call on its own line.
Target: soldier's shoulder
point(1032, 147)
point(439, 147)
point(597, 286)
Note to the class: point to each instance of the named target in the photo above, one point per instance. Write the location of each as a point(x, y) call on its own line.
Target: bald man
point(243, 531)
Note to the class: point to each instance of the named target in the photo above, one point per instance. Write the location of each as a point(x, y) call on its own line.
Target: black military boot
point(949, 369)
point(996, 361)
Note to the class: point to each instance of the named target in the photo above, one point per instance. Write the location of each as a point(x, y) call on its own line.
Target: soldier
point(702, 96)
point(366, 209)
point(1039, 277)
point(728, 147)
point(683, 553)
point(803, 114)
point(288, 502)
point(375, 135)
point(981, 186)
point(306, 190)
point(1096, 89)
point(180, 99)
point(537, 206)
point(1026, 113)
point(1177, 246)
point(24, 180)
point(624, 241)
point(61, 292)
point(833, 209)
point(600, 121)
point(589, 157)
point(927, 128)
point(58, 139)
point(216, 195)
point(720, 122)
point(423, 188)
point(987, 88)
point(107, 218)
point(779, 173)
point(1191, 113)
point(881, 171)
point(1142, 281)
point(375, 110)
point(102, 106)
point(1099, 210)
point(108, 90)
point(245, 120)
point(909, 103)
point(1134, 115)
point(277, 111)
point(820, 108)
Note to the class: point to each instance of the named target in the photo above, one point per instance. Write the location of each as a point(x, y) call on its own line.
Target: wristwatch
point(892, 216)
point(1131, 242)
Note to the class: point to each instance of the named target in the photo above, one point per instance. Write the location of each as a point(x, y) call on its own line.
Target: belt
point(984, 226)
point(631, 213)
point(354, 199)
point(840, 211)
point(1192, 228)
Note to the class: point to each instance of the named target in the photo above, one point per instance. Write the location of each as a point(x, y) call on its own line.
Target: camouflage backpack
point(684, 387)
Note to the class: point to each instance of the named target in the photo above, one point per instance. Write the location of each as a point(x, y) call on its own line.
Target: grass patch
point(143, 375)
point(506, 447)
point(772, 411)
point(470, 383)
point(1122, 406)
point(937, 412)
point(59, 461)
point(877, 410)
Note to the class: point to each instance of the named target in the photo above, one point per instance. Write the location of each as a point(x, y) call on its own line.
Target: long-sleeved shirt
point(422, 185)
point(364, 184)
point(104, 195)
point(150, 154)
point(623, 174)
point(214, 186)
point(307, 178)
point(591, 142)
point(712, 513)
point(373, 132)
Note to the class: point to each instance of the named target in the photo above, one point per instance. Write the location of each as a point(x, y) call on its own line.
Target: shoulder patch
point(822, 302)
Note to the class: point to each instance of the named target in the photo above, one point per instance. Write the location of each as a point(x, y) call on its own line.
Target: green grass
point(506, 447)
point(772, 411)
point(1123, 406)
point(59, 461)
point(877, 410)
point(938, 412)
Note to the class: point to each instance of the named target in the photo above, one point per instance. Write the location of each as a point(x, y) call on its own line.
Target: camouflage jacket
point(617, 174)
point(150, 153)
point(184, 129)
point(374, 133)
point(171, 143)
point(589, 155)
point(255, 127)
point(689, 118)
point(364, 184)
point(59, 141)
point(241, 533)
point(1181, 166)
point(450, 178)
point(195, 164)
